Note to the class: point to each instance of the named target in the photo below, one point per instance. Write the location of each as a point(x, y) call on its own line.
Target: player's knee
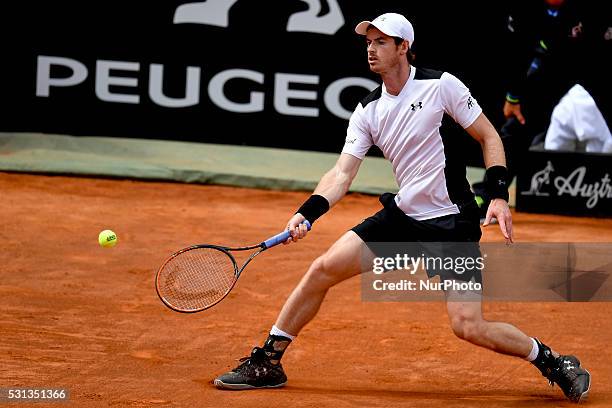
point(466, 327)
point(319, 274)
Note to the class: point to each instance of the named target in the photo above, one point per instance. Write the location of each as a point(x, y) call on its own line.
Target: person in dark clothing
point(541, 38)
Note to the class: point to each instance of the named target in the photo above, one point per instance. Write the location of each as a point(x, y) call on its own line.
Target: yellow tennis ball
point(107, 239)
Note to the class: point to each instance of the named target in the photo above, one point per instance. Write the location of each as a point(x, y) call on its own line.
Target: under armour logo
point(216, 13)
point(259, 371)
point(470, 102)
point(418, 105)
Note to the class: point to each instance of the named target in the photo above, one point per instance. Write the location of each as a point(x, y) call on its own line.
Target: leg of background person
point(537, 107)
point(560, 134)
point(343, 260)
point(588, 124)
point(516, 139)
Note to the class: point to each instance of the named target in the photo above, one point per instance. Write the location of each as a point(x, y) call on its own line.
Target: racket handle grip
point(282, 237)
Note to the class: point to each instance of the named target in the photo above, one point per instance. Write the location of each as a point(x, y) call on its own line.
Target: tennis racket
point(200, 276)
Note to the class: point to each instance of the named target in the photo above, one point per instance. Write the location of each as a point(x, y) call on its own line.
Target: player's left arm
point(495, 161)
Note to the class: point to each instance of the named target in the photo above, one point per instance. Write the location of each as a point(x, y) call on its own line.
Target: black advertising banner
point(565, 183)
point(267, 73)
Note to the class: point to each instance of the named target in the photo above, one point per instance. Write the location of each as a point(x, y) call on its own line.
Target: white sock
point(534, 351)
point(278, 332)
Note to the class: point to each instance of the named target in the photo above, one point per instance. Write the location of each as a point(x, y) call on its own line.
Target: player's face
point(383, 53)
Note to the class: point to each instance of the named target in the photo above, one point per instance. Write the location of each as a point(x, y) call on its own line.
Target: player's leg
point(262, 369)
point(343, 260)
point(468, 324)
point(465, 314)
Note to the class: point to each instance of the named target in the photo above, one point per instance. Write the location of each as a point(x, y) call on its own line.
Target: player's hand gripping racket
point(200, 276)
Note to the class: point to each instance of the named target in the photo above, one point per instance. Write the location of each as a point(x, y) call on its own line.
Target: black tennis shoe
point(573, 380)
point(255, 371)
point(565, 371)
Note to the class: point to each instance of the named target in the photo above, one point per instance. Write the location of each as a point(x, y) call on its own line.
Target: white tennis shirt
point(406, 128)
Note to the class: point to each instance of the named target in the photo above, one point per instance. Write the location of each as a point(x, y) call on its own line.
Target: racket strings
point(196, 279)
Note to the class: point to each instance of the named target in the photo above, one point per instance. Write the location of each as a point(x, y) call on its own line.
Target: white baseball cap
point(391, 24)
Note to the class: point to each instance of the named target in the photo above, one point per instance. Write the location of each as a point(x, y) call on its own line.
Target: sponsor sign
point(565, 183)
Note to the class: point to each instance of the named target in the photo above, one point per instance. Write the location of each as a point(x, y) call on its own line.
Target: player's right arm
point(336, 182)
point(332, 187)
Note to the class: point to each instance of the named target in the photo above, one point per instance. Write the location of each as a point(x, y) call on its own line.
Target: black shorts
point(460, 233)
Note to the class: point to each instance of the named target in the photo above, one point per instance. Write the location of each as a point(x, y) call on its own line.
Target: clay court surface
point(75, 315)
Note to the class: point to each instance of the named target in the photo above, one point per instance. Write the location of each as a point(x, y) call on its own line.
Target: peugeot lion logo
point(538, 180)
point(216, 13)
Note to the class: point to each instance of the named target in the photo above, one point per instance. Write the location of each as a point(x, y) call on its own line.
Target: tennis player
point(434, 203)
